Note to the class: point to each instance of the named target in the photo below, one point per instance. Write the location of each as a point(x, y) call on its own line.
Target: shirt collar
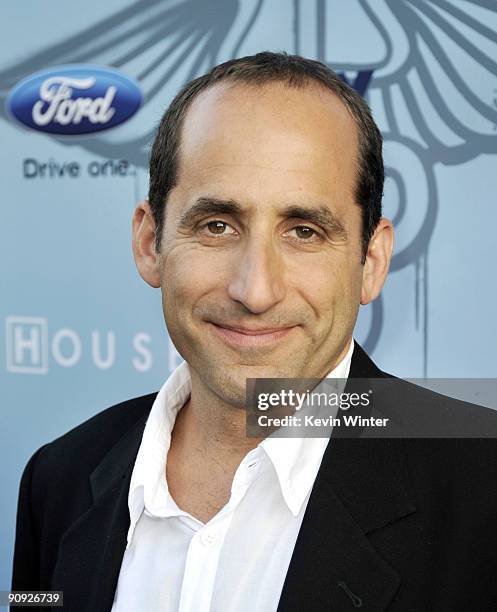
point(295, 460)
point(148, 488)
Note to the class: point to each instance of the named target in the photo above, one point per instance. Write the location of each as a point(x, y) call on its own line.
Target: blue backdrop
point(82, 331)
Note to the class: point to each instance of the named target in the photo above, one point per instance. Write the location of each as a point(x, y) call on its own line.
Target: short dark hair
point(260, 69)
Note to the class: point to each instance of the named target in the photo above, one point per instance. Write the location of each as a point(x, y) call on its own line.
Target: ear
point(377, 261)
point(143, 241)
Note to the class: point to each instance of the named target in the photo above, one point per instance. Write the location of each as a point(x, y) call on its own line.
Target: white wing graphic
point(162, 44)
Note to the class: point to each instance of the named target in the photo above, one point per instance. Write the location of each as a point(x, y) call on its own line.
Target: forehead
point(274, 139)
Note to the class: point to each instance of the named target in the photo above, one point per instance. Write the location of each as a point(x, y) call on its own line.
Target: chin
point(230, 382)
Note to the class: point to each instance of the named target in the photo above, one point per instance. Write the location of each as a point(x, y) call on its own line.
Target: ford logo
point(74, 99)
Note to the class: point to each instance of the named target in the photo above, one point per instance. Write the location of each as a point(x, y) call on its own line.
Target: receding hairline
point(230, 83)
point(308, 83)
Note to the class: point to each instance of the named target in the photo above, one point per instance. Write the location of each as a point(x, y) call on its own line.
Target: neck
point(212, 428)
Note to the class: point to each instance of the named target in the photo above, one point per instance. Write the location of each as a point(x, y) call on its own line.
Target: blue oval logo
point(74, 99)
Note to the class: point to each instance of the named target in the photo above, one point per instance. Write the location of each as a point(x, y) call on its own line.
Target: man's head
point(264, 213)
point(259, 70)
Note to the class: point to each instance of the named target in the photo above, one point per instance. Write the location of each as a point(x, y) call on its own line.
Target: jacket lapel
point(91, 550)
point(361, 486)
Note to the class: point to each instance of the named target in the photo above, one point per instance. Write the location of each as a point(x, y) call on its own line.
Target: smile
point(251, 337)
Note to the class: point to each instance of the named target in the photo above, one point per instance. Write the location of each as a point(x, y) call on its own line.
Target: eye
point(217, 228)
point(305, 232)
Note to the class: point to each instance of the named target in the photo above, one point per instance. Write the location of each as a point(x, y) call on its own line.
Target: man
point(263, 230)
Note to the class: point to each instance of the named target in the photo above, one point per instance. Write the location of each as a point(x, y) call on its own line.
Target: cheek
point(332, 287)
point(188, 273)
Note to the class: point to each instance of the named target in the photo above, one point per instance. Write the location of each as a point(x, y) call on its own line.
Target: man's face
point(262, 233)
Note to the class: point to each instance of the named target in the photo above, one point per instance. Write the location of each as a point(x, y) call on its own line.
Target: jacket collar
point(91, 550)
point(362, 486)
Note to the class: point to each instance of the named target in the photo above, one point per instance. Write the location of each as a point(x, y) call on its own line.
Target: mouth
point(239, 336)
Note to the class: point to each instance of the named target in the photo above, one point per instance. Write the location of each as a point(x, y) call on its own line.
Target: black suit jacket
point(391, 524)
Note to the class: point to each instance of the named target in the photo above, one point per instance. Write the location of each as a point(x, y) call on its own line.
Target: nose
point(257, 281)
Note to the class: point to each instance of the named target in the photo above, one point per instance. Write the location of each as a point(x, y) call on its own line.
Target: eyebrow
point(209, 206)
point(320, 215)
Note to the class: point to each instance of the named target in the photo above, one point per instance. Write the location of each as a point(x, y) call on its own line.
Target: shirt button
point(207, 539)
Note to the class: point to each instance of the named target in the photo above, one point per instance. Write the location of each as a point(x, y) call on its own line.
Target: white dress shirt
point(239, 559)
